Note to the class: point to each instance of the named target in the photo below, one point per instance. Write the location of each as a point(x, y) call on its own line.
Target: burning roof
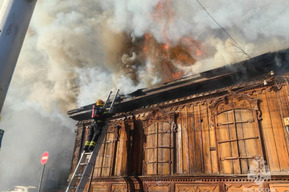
point(239, 75)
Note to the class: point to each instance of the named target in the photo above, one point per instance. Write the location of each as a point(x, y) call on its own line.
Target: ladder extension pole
point(79, 187)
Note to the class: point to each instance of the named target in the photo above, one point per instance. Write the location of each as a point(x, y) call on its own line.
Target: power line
point(236, 43)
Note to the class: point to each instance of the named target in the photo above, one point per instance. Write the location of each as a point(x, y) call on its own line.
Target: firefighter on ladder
point(99, 114)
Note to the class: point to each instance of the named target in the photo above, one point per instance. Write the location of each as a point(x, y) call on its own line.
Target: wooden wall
point(220, 135)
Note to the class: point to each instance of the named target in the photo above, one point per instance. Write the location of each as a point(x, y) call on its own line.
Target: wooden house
point(222, 130)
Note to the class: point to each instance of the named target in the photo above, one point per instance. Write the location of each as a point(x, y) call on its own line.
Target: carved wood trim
point(158, 114)
point(155, 186)
point(196, 187)
point(119, 187)
point(234, 101)
point(231, 102)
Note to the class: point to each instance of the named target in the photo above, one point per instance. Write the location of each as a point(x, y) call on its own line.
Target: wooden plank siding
point(278, 129)
point(198, 137)
point(120, 167)
point(182, 147)
point(185, 139)
point(284, 103)
point(137, 148)
point(199, 165)
point(268, 136)
point(193, 140)
point(206, 138)
point(179, 144)
point(213, 143)
point(274, 133)
point(204, 142)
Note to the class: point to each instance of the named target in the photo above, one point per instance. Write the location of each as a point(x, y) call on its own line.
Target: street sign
point(44, 158)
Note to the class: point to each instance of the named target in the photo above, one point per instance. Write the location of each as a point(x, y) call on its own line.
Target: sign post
point(1, 136)
point(44, 159)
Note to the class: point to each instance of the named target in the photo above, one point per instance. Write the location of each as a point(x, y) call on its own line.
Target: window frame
point(155, 118)
point(232, 103)
point(112, 130)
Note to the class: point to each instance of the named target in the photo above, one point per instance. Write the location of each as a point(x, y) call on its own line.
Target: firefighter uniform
point(99, 114)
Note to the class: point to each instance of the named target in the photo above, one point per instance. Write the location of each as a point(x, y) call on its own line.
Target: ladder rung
point(91, 156)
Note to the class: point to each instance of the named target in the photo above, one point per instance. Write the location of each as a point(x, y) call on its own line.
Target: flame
point(164, 13)
point(166, 46)
point(199, 52)
point(168, 58)
point(177, 75)
point(180, 55)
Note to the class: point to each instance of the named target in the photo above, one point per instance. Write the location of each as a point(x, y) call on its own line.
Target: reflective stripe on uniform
point(87, 143)
point(92, 143)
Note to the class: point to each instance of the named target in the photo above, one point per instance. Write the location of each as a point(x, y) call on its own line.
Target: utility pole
point(15, 16)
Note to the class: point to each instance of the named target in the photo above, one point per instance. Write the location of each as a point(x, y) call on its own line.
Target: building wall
point(216, 138)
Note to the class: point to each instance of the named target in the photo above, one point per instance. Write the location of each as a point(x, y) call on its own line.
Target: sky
point(76, 51)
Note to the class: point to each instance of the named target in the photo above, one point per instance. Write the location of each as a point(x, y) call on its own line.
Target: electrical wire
point(236, 43)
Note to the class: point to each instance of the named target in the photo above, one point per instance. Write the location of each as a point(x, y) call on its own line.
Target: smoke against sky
point(73, 44)
point(77, 51)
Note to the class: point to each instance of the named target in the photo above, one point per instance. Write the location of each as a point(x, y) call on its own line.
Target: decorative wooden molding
point(174, 127)
point(157, 187)
point(284, 187)
point(196, 188)
point(277, 180)
point(234, 101)
point(98, 186)
point(158, 114)
point(188, 184)
point(241, 187)
point(119, 188)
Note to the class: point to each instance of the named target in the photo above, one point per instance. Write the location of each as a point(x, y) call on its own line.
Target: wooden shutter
point(105, 158)
point(237, 133)
point(238, 140)
point(158, 149)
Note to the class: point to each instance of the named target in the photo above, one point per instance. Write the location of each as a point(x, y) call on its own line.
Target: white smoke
point(72, 55)
point(72, 43)
point(257, 26)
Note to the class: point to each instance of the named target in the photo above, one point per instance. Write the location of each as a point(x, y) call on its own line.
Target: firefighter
point(99, 114)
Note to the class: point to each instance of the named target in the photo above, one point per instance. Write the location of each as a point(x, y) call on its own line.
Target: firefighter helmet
point(100, 102)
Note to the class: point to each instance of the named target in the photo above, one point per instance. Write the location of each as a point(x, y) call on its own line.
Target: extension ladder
point(87, 159)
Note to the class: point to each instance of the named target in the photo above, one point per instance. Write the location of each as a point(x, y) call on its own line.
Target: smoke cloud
point(77, 51)
point(72, 45)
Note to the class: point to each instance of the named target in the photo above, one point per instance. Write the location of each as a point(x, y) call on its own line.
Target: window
point(237, 132)
point(158, 149)
point(105, 158)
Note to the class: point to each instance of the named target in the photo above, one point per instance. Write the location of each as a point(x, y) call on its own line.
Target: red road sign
point(44, 158)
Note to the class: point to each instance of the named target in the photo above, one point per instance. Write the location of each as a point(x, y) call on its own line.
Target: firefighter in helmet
point(99, 114)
